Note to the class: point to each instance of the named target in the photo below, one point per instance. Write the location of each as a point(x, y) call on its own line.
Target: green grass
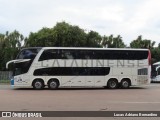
point(5, 81)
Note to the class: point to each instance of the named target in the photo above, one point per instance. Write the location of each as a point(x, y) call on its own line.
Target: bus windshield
point(23, 66)
point(28, 53)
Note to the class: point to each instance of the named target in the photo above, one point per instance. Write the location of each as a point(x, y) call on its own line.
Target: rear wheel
point(38, 84)
point(125, 83)
point(112, 84)
point(53, 84)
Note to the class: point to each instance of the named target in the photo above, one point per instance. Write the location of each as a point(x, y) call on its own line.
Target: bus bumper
point(12, 82)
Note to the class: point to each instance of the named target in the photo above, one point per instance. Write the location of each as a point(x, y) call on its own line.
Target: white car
point(155, 79)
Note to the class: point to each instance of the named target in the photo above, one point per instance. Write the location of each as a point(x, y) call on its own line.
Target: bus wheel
point(125, 83)
point(53, 84)
point(112, 84)
point(38, 84)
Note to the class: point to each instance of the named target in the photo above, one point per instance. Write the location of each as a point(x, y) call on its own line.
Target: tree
point(93, 39)
point(10, 44)
point(155, 54)
point(2, 41)
point(113, 42)
point(159, 45)
point(148, 44)
point(140, 43)
point(42, 38)
point(68, 35)
point(62, 34)
point(118, 42)
point(13, 43)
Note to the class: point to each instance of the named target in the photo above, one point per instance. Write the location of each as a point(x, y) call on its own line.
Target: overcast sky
point(128, 18)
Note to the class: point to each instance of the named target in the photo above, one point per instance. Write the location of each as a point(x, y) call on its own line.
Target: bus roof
point(31, 48)
point(89, 48)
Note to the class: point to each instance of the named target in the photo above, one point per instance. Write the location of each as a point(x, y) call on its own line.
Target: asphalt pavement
point(144, 98)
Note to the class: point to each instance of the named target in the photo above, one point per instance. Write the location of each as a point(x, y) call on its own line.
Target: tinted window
point(125, 55)
point(21, 68)
point(67, 54)
point(50, 54)
point(94, 54)
point(28, 53)
point(73, 71)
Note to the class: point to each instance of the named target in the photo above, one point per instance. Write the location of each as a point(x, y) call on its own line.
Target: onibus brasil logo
point(21, 114)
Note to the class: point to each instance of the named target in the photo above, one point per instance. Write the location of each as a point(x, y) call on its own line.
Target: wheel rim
point(113, 84)
point(38, 85)
point(53, 84)
point(125, 84)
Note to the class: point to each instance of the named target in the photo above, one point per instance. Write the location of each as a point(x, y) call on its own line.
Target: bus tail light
point(149, 57)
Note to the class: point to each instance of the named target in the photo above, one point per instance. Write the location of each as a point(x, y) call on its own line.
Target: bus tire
point(112, 83)
point(38, 84)
point(125, 83)
point(53, 84)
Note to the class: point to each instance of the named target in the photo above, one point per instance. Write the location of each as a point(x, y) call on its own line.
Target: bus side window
point(49, 54)
point(67, 54)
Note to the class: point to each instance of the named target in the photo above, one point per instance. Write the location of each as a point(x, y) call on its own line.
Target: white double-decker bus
point(64, 66)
